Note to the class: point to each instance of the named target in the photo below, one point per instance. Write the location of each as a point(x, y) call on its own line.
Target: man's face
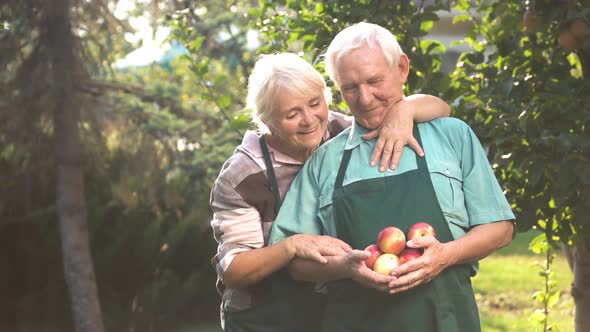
point(369, 85)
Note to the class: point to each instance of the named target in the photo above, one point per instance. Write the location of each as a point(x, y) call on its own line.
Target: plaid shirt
point(243, 208)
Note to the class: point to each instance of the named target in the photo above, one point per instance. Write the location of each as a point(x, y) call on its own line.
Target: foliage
point(548, 297)
point(309, 26)
point(526, 98)
point(151, 150)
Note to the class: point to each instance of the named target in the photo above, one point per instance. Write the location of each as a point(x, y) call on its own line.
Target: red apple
point(567, 40)
point(420, 229)
point(579, 28)
point(375, 253)
point(529, 20)
point(385, 263)
point(391, 240)
point(409, 254)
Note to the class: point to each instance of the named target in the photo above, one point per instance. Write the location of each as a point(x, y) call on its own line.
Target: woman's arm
point(251, 266)
point(396, 129)
point(350, 266)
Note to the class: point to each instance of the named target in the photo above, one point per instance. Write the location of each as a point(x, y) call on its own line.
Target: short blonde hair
point(280, 71)
point(357, 36)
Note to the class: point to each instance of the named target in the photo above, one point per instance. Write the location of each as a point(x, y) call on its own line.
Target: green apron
point(361, 210)
point(288, 305)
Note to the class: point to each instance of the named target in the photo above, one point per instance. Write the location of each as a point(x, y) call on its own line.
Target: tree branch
point(96, 87)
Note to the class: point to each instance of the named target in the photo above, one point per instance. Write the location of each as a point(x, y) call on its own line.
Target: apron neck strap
point(342, 169)
point(420, 161)
point(270, 173)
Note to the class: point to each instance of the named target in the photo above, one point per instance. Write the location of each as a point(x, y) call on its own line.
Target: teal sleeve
point(299, 211)
point(484, 199)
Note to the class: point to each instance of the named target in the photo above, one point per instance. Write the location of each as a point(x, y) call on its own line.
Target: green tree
point(524, 89)
point(145, 200)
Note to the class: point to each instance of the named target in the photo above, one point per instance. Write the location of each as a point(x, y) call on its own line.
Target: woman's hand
point(394, 133)
point(396, 128)
point(315, 247)
point(349, 266)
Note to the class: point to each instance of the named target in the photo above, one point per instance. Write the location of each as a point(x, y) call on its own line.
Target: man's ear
point(403, 66)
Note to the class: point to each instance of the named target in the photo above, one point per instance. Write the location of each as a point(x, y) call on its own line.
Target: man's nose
point(365, 96)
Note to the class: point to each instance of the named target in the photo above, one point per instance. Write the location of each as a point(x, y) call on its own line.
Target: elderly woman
point(289, 102)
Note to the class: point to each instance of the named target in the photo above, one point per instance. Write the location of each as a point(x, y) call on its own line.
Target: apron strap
point(270, 173)
point(420, 161)
point(342, 169)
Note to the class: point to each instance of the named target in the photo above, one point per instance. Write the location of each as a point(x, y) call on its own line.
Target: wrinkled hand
point(316, 247)
point(422, 269)
point(394, 133)
point(355, 268)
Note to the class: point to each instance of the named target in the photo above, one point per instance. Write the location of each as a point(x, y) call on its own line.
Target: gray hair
point(357, 36)
point(280, 71)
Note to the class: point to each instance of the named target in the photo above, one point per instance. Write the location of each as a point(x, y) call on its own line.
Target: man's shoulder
point(337, 143)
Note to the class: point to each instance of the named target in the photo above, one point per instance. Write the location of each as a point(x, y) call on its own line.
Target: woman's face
point(299, 123)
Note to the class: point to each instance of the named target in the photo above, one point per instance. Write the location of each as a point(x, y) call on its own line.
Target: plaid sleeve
point(236, 224)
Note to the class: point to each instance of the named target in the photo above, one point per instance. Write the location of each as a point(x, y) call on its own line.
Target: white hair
point(357, 36)
point(280, 71)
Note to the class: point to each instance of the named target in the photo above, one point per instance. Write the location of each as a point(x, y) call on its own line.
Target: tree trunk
point(71, 209)
point(578, 257)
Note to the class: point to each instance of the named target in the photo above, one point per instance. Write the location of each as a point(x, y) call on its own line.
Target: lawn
point(506, 283)
point(504, 288)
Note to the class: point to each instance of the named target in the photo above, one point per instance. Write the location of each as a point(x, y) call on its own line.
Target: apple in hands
point(420, 229)
point(409, 254)
point(375, 253)
point(385, 263)
point(391, 240)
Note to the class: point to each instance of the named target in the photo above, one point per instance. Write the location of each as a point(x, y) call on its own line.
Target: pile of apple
point(390, 250)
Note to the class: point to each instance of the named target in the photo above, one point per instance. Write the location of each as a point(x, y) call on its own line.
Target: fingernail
point(410, 243)
point(381, 169)
point(372, 163)
point(393, 166)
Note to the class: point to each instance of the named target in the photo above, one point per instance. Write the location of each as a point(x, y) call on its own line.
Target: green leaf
point(538, 316)
point(195, 44)
point(223, 101)
point(539, 244)
point(240, 122)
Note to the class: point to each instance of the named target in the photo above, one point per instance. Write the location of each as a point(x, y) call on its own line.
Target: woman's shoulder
point(337, 122)
point(238, 166)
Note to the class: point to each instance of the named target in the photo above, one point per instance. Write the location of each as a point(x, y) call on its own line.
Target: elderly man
point(452, 188)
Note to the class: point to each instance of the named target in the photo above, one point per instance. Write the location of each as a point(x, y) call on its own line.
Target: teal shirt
point(465, 185)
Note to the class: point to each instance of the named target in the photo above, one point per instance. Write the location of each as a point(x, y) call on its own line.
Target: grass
point(504, 287)
point(506, 282)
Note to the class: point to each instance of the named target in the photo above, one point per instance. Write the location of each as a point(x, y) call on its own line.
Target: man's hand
point(422, 269)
